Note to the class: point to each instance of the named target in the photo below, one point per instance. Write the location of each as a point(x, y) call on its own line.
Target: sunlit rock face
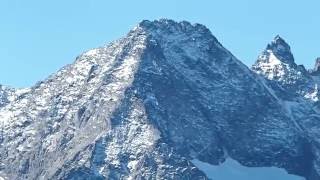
point(145, 106)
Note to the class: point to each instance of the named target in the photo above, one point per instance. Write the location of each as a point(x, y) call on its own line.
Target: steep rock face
point(144, 106)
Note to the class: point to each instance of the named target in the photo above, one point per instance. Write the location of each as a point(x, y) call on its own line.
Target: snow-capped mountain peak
point(276, 62)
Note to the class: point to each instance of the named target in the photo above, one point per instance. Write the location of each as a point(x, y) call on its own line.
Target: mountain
point(276, 63)
point(294, 85)
point(149, 104)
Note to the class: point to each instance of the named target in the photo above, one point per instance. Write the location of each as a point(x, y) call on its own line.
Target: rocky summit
point(147, 105)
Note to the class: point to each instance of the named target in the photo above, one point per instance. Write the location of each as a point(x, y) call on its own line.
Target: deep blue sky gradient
point(38, 37)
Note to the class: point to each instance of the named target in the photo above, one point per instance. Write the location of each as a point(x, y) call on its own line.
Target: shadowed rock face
point(146, 105)
point(281, 50)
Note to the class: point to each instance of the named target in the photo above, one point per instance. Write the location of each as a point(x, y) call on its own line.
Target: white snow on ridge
point(272, 63)
point(91, 52)
point(231, 170)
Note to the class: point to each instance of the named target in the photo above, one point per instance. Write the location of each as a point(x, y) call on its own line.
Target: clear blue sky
point(38, 37)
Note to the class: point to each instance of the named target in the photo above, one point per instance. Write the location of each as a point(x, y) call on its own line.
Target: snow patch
point(91, 52)
point(313, 96)
point(231, 169)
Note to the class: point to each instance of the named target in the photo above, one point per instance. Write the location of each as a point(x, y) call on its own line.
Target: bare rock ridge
point(146, 105)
